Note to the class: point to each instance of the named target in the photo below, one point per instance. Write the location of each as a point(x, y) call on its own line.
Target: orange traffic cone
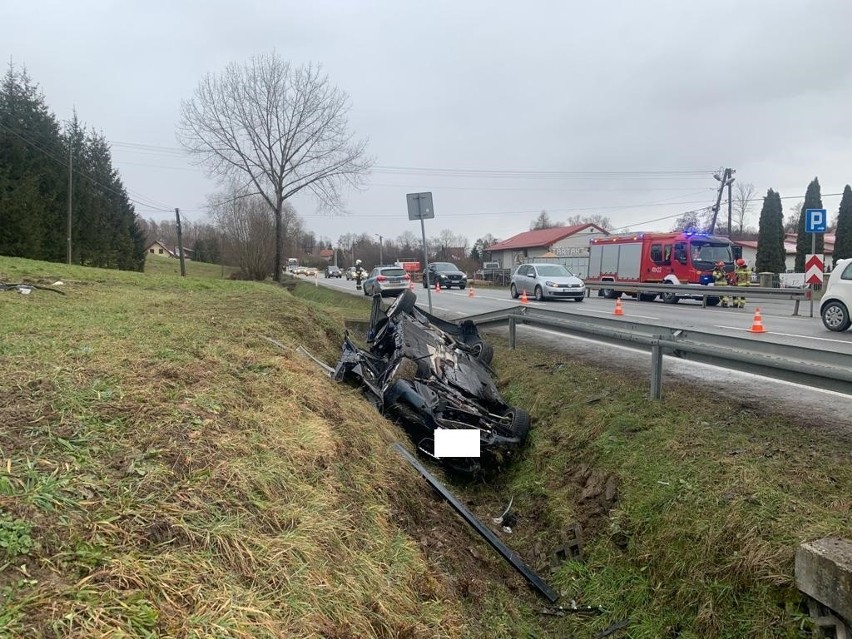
point(470, 291)
point(524, 299)
point(757, 323)
point(619, 310)
point(437, 287)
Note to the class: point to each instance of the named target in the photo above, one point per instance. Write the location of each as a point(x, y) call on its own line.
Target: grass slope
point(168, 472)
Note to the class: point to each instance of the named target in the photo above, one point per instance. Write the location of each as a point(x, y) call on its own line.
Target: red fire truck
point(650, 258)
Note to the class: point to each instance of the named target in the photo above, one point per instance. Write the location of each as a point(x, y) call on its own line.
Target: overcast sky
point(577, 90)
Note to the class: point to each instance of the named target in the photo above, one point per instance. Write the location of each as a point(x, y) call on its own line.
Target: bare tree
point(284, 129)
point(698, 219)
point(600, 220)
point(247, 225)
point(742, 203)
point(543, 221)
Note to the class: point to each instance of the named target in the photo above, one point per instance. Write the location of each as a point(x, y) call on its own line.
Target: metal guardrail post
point(656, 370)
point(512, 323)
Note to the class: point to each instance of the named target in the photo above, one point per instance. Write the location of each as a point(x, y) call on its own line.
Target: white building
point(568, 245)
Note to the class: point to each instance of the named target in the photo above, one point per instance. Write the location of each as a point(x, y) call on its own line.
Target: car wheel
point(539, 294)
point(513, 291)
point(835, 316)
point(404, 303)
point(579, 299)
point(518, 422)
point(482, 351)
point(364, 288)
point(713, 301)
point(669, 298)
point(647, 297)
point(461, 288)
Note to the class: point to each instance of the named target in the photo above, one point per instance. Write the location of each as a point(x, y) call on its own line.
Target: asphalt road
point(778, 317)
point(813, 407)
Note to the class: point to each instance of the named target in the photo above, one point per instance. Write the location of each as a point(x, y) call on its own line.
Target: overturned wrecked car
point(426, 373)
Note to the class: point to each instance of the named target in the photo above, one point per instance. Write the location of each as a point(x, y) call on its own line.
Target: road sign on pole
point(420, 208)
point(816, 221)
point(814, 268)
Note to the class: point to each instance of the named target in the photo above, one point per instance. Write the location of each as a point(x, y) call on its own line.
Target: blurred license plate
point(396, 280)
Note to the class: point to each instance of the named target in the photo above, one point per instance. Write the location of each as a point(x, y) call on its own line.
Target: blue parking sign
point(816, 220)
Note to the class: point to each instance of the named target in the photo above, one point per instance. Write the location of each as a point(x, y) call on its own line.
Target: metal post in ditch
point(512, 332)
point(656, 370)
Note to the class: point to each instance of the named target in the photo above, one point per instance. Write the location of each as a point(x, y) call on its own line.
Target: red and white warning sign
point(814, 267)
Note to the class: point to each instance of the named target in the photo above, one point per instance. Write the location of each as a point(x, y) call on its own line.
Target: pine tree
point(770, 239)
point(843, 234)
point(813, 200)
point(31, 173)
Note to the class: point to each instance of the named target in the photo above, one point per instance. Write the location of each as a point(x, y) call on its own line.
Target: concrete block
point(824, 572)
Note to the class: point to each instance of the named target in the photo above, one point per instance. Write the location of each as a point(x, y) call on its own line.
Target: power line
point(85, 175)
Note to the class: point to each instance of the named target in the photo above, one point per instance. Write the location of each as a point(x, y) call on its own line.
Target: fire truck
point(651, 258)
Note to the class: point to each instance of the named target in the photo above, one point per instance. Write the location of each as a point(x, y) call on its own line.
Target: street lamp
point(381, 248)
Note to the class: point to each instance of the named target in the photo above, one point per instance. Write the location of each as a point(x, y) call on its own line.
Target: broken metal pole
point(508, 554)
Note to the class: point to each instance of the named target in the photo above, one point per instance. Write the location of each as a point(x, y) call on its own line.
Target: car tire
point(669, 298)
point(835, 316)
point(713, 301)
point(579, 299)
point(461, 288)
point(482, 351)
point(513, 291)
point(539, 294)
point(519, 422)
point(647, 297)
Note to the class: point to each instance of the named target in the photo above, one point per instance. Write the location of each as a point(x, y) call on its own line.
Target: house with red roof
point(568, 245)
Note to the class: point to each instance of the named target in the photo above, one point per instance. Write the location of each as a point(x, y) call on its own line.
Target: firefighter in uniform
point(359, 275)
point(720, 278)
point(743, 277)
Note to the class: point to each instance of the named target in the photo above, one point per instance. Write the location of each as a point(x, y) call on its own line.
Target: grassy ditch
point(166, 471)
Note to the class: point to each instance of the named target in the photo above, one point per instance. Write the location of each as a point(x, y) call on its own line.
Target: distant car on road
point(333, 271)
point(386, 280)
point(837, 297)
point(446, 274)
point(350, 273)
point(311, 271)
point(545, 281)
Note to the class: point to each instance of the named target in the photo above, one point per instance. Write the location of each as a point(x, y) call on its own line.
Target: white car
point(837, 297)
point(547, 281)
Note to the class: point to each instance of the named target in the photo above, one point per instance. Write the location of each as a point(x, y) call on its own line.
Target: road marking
point(820, 339)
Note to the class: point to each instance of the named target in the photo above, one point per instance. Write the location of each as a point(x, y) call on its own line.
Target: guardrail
point(698, 290)
point(798, 364)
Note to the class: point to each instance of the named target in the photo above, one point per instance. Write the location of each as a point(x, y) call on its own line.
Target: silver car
point(387, 280)
point(544, 281)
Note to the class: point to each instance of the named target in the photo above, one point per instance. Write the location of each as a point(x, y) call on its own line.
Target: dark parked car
point(446, 274)
point(333, 271)
point(427, 373)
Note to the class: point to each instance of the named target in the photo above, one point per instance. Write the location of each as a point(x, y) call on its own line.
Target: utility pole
point(725, 179)
point(70, 187)
point(180, 244)
point(730, 203)
point(381, 249)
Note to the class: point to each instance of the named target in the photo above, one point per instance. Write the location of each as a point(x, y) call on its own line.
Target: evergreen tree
point(32, 188)
point(843, 234)
point(813, 200)
point(770, 239)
